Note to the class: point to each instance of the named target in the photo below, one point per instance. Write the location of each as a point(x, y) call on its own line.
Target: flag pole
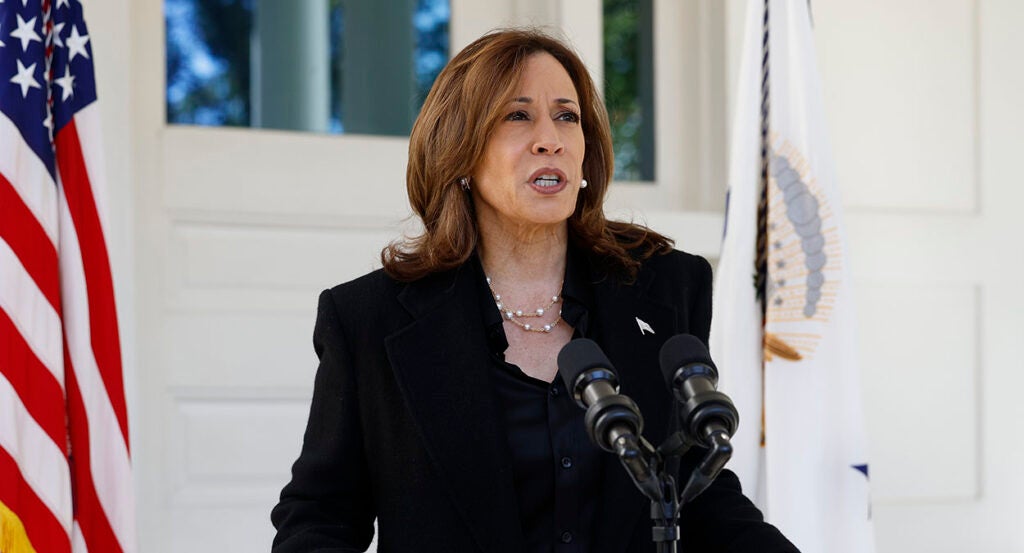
point(761, 256)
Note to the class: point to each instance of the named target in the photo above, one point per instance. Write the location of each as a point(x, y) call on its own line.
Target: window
point(629, 86)
point(339, 66)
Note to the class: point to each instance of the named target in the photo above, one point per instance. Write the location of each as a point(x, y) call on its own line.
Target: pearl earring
point(464, 182)
point(583, 183)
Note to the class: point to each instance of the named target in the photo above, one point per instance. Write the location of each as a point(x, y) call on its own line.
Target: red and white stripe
point(61, 380)
point(35, 479)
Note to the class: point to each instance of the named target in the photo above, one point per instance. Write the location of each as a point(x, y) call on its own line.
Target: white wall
point(924, 121)
point(219, 240)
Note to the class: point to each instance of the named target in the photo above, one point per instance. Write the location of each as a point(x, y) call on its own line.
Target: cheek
point(495, 184)
point(499, 159)
point(581, 146)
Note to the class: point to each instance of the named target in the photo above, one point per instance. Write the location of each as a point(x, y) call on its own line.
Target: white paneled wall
point(924, 371)
point(902, 84)
point(918, 97)
point(222, 239)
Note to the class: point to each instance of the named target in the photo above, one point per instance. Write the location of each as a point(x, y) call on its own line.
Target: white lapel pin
point(644, 327)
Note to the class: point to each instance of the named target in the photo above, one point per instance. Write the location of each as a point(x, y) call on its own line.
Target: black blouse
point(556, 468)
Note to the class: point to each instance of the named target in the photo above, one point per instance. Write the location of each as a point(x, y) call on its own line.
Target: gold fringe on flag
point(12, 533)
point(773, 345)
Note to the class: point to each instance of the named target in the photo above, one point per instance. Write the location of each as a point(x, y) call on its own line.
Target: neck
point(535, 255)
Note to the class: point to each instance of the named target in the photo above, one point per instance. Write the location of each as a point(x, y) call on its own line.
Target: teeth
point(547, 180)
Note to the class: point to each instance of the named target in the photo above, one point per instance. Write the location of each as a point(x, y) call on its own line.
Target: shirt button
point(566, 537)
point(566, 462)
point(554, 391)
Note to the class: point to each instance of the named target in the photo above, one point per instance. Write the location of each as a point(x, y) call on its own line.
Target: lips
point(548, 180)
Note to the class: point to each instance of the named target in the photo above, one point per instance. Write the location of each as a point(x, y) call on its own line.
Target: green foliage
point(621, 55)
point(217, 32)
point(209, 77)
point(226, 26)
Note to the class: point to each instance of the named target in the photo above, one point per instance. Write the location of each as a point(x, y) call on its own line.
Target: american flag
point(65, 474)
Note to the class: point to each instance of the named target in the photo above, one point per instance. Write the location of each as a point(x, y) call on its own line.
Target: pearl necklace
point(513, 315)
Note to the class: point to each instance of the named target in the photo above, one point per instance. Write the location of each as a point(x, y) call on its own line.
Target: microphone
point(693, 378)
point(707, 416)
point(613, 420)
point(590, 378)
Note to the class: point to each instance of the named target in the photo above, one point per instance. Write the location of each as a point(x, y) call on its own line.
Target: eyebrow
point(560, 101)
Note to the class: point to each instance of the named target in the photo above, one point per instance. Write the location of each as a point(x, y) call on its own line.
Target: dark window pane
point(208, 62)
point(629, 86)
point(358, 66)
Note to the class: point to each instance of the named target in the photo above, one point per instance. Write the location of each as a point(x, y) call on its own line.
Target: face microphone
point(590, 378)
point(613, 420)
point(707, 417)
point(693, 379)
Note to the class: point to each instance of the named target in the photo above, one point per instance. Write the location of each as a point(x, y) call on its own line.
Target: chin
point(552, 218)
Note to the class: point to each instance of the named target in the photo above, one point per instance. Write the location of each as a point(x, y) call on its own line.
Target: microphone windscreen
point(681, 350)
point(580, 355)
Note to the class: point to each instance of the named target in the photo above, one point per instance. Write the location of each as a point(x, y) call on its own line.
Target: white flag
point(800, 451)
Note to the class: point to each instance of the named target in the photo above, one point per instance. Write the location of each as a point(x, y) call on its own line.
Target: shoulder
point(369, 302)
point(684, 280)
point(678, 266)
point(378, 303)
point(678, 277)
point(369, 286)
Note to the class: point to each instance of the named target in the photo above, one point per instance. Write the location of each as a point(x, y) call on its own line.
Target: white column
point(378, 77)
point(291, 65)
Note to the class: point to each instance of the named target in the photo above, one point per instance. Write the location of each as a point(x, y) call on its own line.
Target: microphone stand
point(646, 466)
point(614, 424)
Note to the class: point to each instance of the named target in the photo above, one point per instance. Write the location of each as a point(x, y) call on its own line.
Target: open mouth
point(547, 181)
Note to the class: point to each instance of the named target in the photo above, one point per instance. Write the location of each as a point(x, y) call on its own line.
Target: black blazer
point(404, 426)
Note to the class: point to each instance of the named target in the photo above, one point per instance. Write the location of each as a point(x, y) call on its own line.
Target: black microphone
point(693, 378)
point(613, 420)
point(706, 416)
point(590, 378)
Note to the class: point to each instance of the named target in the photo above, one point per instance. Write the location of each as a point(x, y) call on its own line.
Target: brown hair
point(448, 139)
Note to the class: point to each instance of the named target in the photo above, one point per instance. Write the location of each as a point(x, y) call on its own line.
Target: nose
point(546, 139)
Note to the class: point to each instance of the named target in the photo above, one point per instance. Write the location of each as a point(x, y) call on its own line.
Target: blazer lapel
point(443, 369)
point(632, 329)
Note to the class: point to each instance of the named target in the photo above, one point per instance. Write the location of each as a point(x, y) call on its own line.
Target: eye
point(518, 115)
point(569, 116)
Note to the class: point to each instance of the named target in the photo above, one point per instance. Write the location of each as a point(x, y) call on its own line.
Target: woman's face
point(533, 161)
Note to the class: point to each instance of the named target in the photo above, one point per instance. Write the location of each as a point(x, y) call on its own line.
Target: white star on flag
point(26, 32)
point(76, 44)
point(62, 3)
point(2, 30)
point(56, 34)
point(25, 79)
point(66, 84)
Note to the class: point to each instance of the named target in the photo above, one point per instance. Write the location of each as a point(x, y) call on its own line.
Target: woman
point(436, 409)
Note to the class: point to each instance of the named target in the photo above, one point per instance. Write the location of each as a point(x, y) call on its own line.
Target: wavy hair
point(448, 139)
